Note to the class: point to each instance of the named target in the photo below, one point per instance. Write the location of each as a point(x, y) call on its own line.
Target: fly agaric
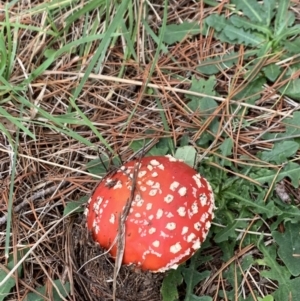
point(169, 218)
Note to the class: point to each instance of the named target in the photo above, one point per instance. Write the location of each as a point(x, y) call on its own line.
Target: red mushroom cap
point(169, 217)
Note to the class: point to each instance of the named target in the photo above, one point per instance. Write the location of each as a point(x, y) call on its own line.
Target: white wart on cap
point(169, 217)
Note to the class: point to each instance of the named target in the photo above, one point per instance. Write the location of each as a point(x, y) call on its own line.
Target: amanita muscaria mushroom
point(170, 213)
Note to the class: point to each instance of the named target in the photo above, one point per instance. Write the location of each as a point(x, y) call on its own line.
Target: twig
point(121, 229)
point(34, 197)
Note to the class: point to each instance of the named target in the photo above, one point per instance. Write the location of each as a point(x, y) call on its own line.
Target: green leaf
point(205, 105)
point(75, 204)
point(280, 152)
point(169, 286)
point(289, 291)
point(241, 36)
point(177, 32)
point(226, 150)
point(272, 71)
point(266, 298)
point(251, 91)
point(160, 149)
point(269, 7)
point(276, 271)
point(215, 65)
point(252, 9)
point(281, 20)
point(293, 125)
point(64, 290)
point(291, 170)
point(187, 154)
point(292, 89)
point(246, 24)
point(10, 283)
point(289, 247)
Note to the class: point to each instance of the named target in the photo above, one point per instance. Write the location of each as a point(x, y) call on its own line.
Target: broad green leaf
point(75, 204)
point(64, 290)
point(290, 170)
point(280, 152)
point(276, 271)
point(239, 22)
point(160, 149)
point(252, 9)
point(269, 7)
point(281, 17)
point(292, 89)
point(293, 125)
point(215, 65)
point(226, 150)
point(241, 36)
point(10, 283)
point(289, 247)
point(289, 291)
point(251, 91)
point(266, 298)
point(218, 22)
point(187, 154)
point(177, 32)
point(205, 105)
point(272, 71)
point(169, 286)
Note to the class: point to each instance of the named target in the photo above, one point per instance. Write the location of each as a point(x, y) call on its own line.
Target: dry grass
point(50, 171)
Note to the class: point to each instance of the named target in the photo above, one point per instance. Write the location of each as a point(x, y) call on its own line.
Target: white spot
point(191, 237)
point(196, 244)
point(97, 228)
point(156, 185)
point(161, 167)
point(156, 243)
point(159, 213)
point(140, 203)
point(112, 218)
point(181, 211)
point(185, 230)
point(140, 230)
point(143, 188)
point(150, 217)
point(142, 173)
point(194, 192)
point(207, 225)
point(118, 185)
point(203, 199)
point(175, 248)
point(130, 210)
point(169, 215)
point(90, 199)
point(182, 191)
point(171, 158)
point(123, 168)
point(195, 208)
point(150, 182)
point(152, 192)
point(150, 167)
point(164, 235)
point(149, 206)
point(154, 162)
point(137, 215)
point(152, 230)
point(203, 218)
point(197, 180)
point(154, 174)
point(174, 185)
point(171, 226)
point(197, 226)
point(86, 211)
point(169, 198)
